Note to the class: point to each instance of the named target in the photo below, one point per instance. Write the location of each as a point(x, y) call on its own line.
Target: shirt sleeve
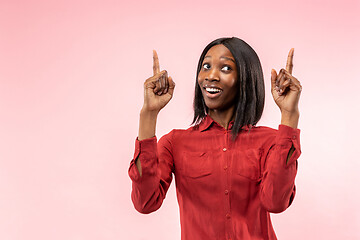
point(278, 176)
point(149, 190)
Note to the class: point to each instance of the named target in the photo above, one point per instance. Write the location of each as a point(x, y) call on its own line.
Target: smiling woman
point(244, 68)
point(230, 174)
point(217, 81)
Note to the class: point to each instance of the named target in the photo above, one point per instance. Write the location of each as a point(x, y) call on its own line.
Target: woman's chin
point(219, 108)
point(212, 106)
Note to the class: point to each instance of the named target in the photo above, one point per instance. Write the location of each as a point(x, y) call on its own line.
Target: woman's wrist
point(146, 113)
point(290, 119)
point(147, 124)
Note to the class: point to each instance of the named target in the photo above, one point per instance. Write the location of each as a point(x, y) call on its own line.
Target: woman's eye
point(206, 66)
point(226, 68)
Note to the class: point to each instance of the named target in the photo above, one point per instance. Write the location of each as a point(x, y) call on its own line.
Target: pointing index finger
point(156, 65)
point(289, 62)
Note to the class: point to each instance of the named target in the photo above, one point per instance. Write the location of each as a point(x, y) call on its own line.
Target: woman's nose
point(213, 75)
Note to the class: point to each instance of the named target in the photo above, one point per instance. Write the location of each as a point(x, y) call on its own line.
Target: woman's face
point(217, 78)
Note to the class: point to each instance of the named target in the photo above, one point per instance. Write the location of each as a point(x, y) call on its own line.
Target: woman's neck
point(223, 117)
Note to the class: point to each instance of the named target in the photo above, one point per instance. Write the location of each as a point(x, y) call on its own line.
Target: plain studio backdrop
point(71, 88)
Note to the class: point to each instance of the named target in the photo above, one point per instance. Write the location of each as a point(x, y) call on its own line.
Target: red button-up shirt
point(225, 189)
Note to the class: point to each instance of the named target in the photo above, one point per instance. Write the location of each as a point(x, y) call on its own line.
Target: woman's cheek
point(200, 77)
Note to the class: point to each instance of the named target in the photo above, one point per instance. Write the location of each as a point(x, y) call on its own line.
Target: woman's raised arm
point(158, 91)
point(286, 90)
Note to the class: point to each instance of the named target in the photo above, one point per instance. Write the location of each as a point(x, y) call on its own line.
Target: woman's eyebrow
point(227, 58)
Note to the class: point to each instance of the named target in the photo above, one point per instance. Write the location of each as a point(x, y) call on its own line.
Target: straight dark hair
point(249, 101)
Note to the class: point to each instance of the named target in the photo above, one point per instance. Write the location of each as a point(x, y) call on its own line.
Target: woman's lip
point(212, 86)
point(212, 95)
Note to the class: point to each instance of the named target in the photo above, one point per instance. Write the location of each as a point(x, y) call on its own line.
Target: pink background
point(71, 75)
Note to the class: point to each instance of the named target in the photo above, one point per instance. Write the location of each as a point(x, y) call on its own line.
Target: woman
point(229, 173)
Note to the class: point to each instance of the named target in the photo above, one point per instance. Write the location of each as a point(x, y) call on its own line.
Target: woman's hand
point(158, 89)
point(286, 90)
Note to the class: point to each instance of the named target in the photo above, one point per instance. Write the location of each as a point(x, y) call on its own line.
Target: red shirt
point(225, 189)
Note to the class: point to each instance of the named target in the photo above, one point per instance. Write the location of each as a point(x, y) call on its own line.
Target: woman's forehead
point(219, 51)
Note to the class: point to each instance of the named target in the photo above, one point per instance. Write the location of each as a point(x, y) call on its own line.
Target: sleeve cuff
point(146, 152)
point(287, 137)
point(146, 146)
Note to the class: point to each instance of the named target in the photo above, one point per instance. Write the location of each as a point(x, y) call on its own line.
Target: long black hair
point(249, 101)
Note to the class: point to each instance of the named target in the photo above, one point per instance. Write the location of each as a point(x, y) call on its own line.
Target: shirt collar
point(207, 122)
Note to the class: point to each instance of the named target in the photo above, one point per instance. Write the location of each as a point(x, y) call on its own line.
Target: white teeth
point(212, 90)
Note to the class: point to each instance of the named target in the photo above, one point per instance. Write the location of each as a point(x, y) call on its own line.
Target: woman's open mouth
point(212, 92)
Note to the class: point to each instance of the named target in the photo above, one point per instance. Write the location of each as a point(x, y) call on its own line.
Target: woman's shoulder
point(177, 134)
point(263, 129)
point(260, 133)
point(262, 136)
point(180, 132)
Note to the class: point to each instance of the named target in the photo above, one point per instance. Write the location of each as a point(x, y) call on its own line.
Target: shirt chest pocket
point(196, 164)
point(247, 164)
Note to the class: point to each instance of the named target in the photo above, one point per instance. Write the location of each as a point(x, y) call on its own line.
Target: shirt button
point(226, 167)
point(224, 149)
point(226, 192)
point(228, 215)
point(294, 137)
